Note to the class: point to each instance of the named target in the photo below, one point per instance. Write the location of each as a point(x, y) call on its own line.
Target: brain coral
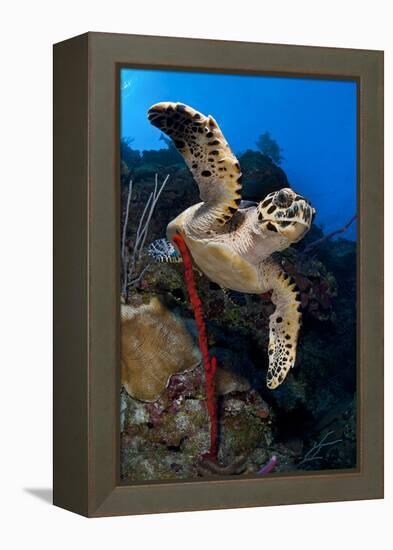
point(155, 344)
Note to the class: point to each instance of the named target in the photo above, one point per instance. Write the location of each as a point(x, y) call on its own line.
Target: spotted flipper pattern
point(283, 330)
point(213, 165)
point(162, 250)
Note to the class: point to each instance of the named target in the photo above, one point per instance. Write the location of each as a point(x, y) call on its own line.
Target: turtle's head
point(287, 213)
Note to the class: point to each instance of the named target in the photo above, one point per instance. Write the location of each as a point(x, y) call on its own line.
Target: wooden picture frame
point(86, 269)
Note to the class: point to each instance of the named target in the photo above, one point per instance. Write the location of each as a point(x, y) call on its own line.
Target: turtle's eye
point(283, 199)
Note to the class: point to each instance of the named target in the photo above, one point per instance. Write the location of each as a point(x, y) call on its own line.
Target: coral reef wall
point(309, 422)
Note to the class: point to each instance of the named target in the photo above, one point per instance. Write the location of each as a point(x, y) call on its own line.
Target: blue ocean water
point(313, 120)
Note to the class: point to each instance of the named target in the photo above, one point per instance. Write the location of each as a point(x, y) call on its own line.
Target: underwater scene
point(238, 275)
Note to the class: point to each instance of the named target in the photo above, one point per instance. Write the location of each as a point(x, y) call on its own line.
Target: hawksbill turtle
point(230, 241)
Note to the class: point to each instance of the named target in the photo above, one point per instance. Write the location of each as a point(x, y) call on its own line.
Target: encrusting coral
point(155, 344)
point(148, 334)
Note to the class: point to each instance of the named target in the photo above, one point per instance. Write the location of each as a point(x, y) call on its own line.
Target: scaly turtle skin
point(230, 243)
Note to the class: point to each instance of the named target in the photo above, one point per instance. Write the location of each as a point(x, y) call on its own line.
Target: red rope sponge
point(209, 365)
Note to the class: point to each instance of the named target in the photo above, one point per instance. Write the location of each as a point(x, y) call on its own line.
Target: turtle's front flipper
point(206, 152)
point(283, 329)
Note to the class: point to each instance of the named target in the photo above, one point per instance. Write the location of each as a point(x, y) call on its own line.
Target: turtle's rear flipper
point(283, 330)
point(162, 250)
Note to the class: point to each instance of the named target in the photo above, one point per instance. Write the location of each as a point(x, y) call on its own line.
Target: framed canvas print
point(218, 259)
